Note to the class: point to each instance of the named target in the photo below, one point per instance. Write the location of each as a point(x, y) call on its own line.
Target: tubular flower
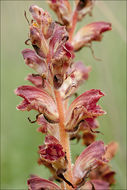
point(89, 33)
point(57, 78)
point(83, 107)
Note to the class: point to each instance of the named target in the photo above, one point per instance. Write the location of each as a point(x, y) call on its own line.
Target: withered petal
point(37, 183)
point(52, 150)
point(84, 7)
point(89, 159)
point(63, 10)
point(111, 150)
point(89, 33)
point(37, 99)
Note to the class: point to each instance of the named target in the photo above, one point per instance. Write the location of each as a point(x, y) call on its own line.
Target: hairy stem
point(64, 137)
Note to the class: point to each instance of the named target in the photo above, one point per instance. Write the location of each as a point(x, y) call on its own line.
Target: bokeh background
point(19, 138)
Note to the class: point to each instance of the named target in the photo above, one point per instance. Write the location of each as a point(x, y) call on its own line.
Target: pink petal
point(97, 184)
point(89, 33)
point(36, 80)
point(88, 160)
point(34, 61)
point(40, 82)
point(82, 70)
point(57, 38)
point(91, 123)
point(38, 41)
point(39, 100)
point(84, 106)
point(37, 183)
point(100, 184)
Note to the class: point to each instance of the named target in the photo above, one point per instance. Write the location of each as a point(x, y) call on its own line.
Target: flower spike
point(57, 77)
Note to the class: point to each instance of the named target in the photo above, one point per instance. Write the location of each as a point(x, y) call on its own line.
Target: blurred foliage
point(19, 138)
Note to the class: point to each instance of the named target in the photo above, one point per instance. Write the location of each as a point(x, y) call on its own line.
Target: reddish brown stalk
point(64, 137)
point(74, 21)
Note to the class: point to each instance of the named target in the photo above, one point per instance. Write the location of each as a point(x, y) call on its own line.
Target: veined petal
point(89, 33)
point(37, 99)
point(84, 7)
point(89, 159)
point(58, 38)
point(37, 183)
point(36, 80)
point(34, 61)
point(84, 106)
point(40, 82)
point(95, 184)
point(63, 10)
point(104, 171)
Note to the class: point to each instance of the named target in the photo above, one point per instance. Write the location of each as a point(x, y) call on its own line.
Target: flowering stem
point(64, 137)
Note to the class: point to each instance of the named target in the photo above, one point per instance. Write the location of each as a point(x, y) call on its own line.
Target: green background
point(19, 138)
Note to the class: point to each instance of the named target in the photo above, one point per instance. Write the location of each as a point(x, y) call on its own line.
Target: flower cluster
point(56, 79)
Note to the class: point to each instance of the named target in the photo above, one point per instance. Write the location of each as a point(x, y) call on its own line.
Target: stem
point(64, 137)
point(74, 21)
